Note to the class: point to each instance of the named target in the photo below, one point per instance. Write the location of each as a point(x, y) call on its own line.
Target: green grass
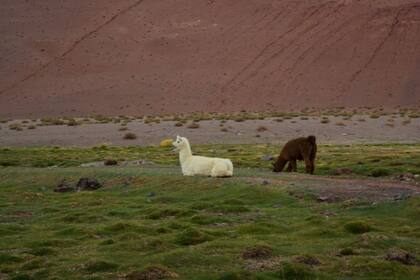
point(192, 227)
point(364, 160)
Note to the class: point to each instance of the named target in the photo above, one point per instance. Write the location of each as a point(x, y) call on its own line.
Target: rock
point(265, 182)
point(151, 194)
point(341, 171)
point(165, 143)
point(400, 255)
point(87, 184)
point(328, 199)
point(64, 187)
point(109, 162)
point(267, 158)
point(406, 177)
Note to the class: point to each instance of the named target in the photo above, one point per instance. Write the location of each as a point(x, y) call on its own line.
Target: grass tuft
point(357, 227)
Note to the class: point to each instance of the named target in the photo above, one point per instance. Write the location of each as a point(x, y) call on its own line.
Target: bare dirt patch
point(370, 131)
point(341, 189)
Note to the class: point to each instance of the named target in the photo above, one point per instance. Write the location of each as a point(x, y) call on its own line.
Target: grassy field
point(149, 222)
point(364, 160)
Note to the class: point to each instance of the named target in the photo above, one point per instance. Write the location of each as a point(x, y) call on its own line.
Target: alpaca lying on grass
point(197, 165)
point(303, 148)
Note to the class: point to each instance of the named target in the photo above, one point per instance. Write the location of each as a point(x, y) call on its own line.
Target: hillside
point(152, 57)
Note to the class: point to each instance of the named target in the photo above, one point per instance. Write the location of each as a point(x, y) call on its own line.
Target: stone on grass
point(88, 184)
point(64, 187)
point(257, 252)
point(400, 255)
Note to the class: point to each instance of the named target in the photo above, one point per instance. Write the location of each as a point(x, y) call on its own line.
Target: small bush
point(56, 122)
point(380, 172)
point(191, 237)
point(347, 252)
point(357, 227)
point(193, 125)
point(179, 124)
point(405, 122)
point(100, 266)
point(325, 121)
point(6, 259)
point(15, 126)
point(295, 271)
point(130, 136)
point(72, 122)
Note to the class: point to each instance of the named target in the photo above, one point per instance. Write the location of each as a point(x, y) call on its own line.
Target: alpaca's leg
point(294, 165)
point(308, 165)
point(312, 159)
point(289, 167)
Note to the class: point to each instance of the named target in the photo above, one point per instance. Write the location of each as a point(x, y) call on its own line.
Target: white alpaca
point(197, 165)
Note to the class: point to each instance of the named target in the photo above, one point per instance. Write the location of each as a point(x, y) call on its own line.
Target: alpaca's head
point(180, 143)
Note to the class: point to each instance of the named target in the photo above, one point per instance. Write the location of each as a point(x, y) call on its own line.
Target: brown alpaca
point(303, 148)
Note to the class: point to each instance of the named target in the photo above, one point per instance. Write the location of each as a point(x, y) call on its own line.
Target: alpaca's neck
point(185, 154)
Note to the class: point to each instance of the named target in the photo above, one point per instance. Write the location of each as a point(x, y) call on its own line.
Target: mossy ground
point(189, 227)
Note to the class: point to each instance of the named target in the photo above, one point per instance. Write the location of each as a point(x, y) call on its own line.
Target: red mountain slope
point(75, 57)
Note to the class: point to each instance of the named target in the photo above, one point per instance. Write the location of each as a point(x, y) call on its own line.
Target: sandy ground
point(209, 132)
point(141, 57)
